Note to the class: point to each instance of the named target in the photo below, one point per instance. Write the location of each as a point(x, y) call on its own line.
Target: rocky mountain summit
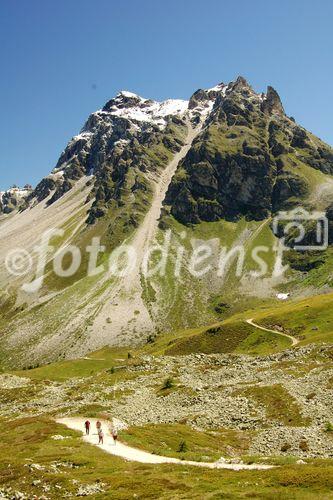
point(248, 159)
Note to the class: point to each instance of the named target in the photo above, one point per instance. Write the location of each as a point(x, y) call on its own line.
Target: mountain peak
point(240, 84)
point(129, 116)
point(123, 99)
point(272, 103)
point(13, 198)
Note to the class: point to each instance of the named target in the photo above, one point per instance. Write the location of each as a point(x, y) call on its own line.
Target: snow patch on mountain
point(121, 142)
point(82, 135)
point(126, 93)
point(133, 107)
point(221, 87)
point(17, 192)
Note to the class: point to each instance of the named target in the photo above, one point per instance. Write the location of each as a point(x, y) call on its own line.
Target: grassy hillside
point(33, 461)
point(310, 319)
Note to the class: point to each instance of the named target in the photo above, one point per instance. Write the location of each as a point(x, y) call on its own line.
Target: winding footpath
point(294, 340)
point(133, 454)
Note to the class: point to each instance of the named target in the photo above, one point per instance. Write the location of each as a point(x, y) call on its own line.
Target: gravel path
point(133, 454)
point(294, 340)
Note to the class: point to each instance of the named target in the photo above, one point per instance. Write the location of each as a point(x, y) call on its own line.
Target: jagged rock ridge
point(247, 161)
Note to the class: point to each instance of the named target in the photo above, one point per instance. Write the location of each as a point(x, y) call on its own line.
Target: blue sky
point(62, 60)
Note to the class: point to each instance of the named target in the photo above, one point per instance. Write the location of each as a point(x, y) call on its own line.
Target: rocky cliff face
point(247, 161)
point(14, 198)
point(121, 148)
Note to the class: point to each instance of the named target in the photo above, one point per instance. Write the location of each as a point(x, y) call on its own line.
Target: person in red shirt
point(87, 426)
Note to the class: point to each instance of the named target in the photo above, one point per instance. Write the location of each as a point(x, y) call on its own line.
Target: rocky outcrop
point(199, 97)
point(247, 161)
point(119, 147)
point(272, 104)
point(14, 198)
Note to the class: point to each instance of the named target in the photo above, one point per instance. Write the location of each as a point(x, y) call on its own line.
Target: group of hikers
point(100, 433)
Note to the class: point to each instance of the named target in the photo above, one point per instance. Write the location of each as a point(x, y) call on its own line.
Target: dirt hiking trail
point(294, 340)
point(133, 454)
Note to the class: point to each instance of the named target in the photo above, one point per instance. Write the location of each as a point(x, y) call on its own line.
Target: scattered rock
point(90, 489)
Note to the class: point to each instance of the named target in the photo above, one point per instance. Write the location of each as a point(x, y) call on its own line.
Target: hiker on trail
point(98, 425)
point(100, 436)
point(87, 426)
point(114, 435)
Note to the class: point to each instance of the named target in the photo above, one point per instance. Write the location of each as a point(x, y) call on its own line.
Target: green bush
point(285, 447)
point(168, 384)
point(182, 448)
point(303, 445)
point(329, 427)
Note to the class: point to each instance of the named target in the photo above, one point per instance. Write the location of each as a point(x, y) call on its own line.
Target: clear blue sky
point(61, 60)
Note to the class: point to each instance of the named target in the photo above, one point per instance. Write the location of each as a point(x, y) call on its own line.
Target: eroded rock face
point(247, 161)
point(121, 148)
